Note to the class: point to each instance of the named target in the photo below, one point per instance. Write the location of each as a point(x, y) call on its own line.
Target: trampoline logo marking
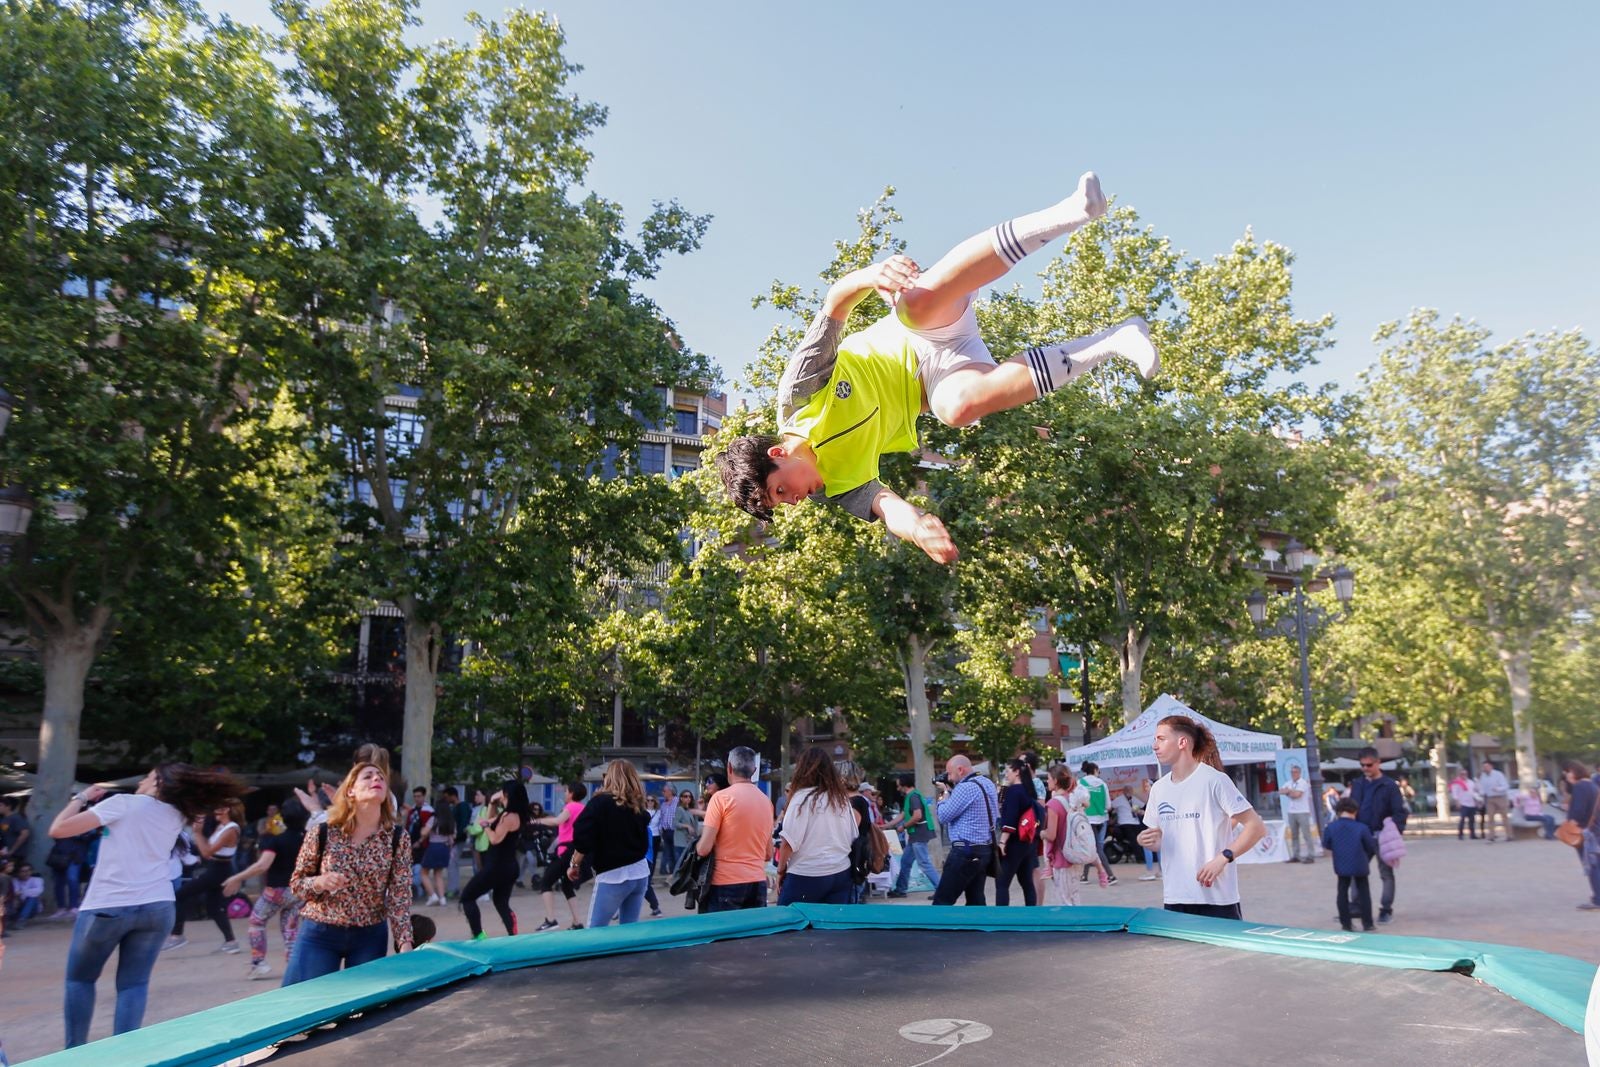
point(951, 1032)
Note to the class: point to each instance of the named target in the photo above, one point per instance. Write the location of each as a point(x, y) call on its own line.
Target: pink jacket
point(1391, 846)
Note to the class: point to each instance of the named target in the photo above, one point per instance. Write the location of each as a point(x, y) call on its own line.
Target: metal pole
point(1088, 720)
point(1313, 758)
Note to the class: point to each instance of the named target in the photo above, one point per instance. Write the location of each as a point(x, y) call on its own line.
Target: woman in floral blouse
point(354, 879)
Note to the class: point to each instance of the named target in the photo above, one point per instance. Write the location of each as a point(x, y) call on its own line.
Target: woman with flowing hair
point(502, 823)
point(613, 834)
point(819, 826)
point(353, 876)
point(1199, 821)
point(128, 908)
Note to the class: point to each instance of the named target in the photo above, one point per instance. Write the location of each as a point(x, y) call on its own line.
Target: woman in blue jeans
point(128, 908)
point(613, 834)
point(819, 826)
point(353, 876)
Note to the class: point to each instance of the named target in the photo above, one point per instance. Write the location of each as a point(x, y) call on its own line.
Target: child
point(1352, 846)
point(845, 401)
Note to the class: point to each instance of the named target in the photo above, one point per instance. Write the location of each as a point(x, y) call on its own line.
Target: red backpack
point(1028, 825)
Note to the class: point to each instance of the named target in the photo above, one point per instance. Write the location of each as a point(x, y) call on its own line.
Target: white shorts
point(939, 352)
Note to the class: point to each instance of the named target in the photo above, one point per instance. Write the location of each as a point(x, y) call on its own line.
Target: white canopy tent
point(1131, 745)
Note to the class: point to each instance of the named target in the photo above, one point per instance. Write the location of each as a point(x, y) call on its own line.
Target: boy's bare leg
point(942, 293)
point(964, 396)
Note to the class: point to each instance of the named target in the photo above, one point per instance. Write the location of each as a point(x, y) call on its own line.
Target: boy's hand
point(934, 539)
point(893, 276)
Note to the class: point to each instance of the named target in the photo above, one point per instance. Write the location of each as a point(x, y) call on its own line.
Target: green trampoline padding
point(1557, 986)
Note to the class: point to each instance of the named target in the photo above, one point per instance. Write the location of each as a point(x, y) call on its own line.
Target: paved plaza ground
point(1522, 893)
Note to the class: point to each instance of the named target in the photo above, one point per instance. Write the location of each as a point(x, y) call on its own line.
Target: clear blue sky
point(1428, 154)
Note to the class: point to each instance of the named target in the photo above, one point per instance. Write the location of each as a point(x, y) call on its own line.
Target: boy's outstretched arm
point(910, 523)
point(890, 277)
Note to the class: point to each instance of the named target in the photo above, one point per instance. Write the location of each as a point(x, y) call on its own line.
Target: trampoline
point(899, 985)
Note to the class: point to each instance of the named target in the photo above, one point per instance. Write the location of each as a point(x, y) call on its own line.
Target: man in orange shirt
point(739, 827)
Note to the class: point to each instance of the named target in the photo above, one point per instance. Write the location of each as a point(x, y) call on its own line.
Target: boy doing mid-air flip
point(845, 401)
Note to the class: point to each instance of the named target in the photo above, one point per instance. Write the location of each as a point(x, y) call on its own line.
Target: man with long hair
point(1199, 821)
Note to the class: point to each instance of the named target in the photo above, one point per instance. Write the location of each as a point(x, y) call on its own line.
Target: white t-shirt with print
point(819, 833)
point(1195, 820)
point(132, 868)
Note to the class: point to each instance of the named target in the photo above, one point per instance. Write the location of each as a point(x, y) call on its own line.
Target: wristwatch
point(1228, 854)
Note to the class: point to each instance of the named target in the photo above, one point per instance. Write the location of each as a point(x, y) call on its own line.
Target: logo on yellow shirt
point(842, 390)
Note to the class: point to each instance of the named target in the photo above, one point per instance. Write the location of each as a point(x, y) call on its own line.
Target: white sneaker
point(230, 948)
point(433, 901)
point(1147, 878)
point(174, 942)
point(260, 970)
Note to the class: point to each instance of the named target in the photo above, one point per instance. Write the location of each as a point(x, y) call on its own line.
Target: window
point(649, 420)
point(1043, 721)
point(608, 462)
point(403, 433)
point(653, 458)
point(679, 470)
point(686, 421)
point(1038, 667)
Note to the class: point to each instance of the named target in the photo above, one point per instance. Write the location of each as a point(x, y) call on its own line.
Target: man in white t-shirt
point(1098, 812)
point(1199, 821)
point(1296, 793)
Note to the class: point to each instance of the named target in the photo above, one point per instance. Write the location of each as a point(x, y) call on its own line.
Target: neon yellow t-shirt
point(852, 399)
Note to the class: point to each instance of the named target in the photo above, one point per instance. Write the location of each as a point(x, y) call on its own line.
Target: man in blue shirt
point(1377, 797)
point(969, 812)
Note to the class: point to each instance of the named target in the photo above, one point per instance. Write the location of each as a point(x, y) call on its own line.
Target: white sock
point(1026, 234)
point(1053, 366)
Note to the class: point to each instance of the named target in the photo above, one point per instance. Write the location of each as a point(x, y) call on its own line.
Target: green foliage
point(446, 256)
point(1482, 501)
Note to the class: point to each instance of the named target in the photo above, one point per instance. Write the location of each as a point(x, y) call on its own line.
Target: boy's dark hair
point(744, 466)
point(1348, 804)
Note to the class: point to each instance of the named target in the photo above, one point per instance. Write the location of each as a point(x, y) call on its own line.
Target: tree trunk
point(422, 676)
point(1440, 755)
point(914, 667)
point(1130, 659)
point(66, 657)
point(1518, 664)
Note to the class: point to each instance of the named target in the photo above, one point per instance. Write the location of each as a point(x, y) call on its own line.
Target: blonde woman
point(355, 880)
point(613, 834)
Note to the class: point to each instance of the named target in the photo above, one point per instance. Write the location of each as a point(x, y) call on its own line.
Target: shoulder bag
point(1570, 833)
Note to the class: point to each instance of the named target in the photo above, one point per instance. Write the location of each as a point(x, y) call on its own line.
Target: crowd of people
point(348, 873)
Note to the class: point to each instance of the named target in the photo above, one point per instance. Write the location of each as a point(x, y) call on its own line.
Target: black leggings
point(496, 880)
point(209, 881)
point(1018, 861)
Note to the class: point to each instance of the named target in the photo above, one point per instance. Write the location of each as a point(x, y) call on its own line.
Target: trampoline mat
point(821, 998)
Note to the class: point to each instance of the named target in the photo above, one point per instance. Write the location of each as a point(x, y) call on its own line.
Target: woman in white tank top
point(216, 851)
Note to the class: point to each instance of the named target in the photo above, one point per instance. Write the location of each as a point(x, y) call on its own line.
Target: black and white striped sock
point(1053, 366)
point(1026, 234)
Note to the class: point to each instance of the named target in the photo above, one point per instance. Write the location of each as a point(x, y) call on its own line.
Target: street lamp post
point(1307, 618)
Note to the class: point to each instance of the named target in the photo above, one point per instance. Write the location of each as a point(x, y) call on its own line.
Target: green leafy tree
point(507, 313)
point(1135, 506)
point(1485, 493)
point(141, 236)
